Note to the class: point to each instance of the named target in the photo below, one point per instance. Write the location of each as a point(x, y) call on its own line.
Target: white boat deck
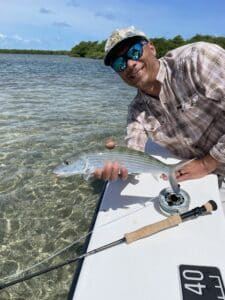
point(148, 268)
point(222, 195)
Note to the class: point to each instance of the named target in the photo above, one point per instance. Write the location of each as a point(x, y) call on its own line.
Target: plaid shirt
point(189, 116)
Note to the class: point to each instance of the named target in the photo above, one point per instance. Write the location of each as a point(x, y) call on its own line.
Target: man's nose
point(131, 63)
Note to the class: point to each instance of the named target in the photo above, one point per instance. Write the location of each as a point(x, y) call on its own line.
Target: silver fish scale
point(134, 161)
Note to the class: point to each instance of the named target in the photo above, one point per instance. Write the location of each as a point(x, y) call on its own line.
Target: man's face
point(139, 73)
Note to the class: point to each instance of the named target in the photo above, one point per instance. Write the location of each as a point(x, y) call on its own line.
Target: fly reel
point(171, 203)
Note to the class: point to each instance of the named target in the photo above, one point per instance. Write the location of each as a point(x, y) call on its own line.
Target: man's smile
point(136, 73)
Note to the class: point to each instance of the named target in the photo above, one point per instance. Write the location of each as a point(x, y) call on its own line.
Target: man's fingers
point(107, 171)
point(182, 176)
point(98, 173)
point(123, 173)
point(115, 171)
point(111, 171)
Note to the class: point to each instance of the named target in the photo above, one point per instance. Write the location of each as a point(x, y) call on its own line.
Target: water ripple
point(52, 107)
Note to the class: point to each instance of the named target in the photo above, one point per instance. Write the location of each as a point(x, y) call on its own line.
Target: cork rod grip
point(210, 206)
point(152, 228)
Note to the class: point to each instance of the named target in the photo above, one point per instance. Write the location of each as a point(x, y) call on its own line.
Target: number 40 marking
point(194, 275)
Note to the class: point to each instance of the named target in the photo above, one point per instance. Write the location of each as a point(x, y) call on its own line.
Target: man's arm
point(210, 74)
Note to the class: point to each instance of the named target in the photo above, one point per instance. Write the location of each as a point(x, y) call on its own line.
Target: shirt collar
point(162, 71)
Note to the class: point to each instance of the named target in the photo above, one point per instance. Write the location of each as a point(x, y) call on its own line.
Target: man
point(180, 102)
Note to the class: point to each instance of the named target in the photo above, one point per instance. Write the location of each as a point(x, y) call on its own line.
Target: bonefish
point(136, 162)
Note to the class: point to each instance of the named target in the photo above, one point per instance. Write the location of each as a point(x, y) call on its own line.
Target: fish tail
point(172, 175)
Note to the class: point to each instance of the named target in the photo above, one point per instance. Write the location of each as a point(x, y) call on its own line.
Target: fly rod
point(128, 238)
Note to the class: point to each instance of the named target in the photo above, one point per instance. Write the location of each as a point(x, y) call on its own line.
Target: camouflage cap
point(117, 37)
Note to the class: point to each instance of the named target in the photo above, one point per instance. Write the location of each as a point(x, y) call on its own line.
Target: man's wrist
point(210, 164)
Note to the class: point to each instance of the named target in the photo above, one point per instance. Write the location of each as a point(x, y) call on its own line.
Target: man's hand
point(197, 168)
point(111, 171)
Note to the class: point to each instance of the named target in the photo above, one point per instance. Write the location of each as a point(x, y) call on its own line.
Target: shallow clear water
point(52, 107)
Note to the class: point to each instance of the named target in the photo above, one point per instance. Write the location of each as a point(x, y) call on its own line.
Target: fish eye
point(66, 162)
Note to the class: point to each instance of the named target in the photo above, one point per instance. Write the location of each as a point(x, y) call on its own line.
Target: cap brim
point(112, 52)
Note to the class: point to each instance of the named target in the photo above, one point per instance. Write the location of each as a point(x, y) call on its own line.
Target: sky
point(62, 24)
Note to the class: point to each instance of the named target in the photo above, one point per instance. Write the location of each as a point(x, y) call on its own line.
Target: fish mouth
point(57, 173)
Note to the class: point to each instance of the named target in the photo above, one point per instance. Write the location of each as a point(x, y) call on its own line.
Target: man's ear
point(152, 48)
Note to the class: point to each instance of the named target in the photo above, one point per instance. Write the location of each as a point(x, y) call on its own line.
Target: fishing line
point(60, 251)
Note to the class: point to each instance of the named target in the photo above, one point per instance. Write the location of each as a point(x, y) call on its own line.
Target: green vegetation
point(31, 51)
point(89, 49)
point(96, 49)
point(163, 45)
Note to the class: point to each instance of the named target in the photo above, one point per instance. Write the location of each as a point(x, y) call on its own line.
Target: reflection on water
point(52, 107)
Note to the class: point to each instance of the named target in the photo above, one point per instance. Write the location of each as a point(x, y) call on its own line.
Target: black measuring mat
point(201, 283)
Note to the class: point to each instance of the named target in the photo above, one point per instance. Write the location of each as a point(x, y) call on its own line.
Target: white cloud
point(2, 36)
point(17, 37)
point(22, 40)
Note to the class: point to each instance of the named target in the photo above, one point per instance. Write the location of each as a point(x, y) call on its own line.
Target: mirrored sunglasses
point(134, 53)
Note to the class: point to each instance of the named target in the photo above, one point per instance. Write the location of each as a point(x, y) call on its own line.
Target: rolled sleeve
point(218, 151)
